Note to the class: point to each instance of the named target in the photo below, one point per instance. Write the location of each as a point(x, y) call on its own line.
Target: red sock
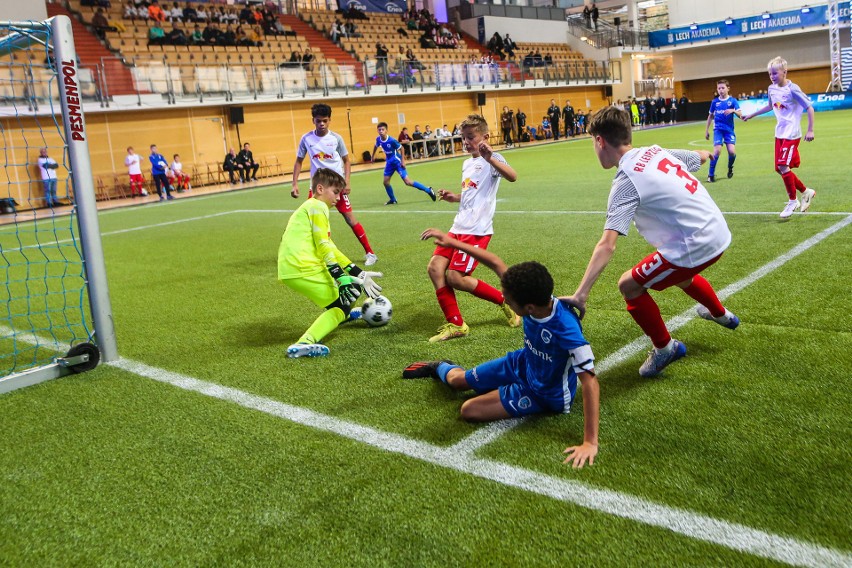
point(361, 235)
point(702, 292)
point(447, 301)
point(646, 313)
point(799, 185)
point(488, 292)
point(789, 184)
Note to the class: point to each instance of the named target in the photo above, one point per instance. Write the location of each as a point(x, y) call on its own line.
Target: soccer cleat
point(170, 197)
point(307, 350)
point(789, 208)
point(659, 359)
point(391, 202)
point(728, 320)
point(432, 194)
point(711, 179)
point(354, 315)
point(730, 173)
point(450, 331)
point(423, 369)
point(807, 197)
point(370, 259)
point(513, 318)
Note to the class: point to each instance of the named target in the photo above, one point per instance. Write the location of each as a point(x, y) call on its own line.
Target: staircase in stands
point(90, 51)
point(318, 41)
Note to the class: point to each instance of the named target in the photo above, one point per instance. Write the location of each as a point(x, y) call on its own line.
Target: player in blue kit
point(395, 163)
point(722, 111)
point(541, 376)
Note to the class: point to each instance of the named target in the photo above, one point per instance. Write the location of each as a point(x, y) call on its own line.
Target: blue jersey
point(554, 351)
point(158, 164)
point(724, 122)
point(391, 147)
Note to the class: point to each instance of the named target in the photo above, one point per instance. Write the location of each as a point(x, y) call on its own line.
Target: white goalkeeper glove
point(365, 279)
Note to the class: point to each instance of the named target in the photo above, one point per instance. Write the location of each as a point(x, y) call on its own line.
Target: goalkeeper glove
point(365, 279)
point(348, 287)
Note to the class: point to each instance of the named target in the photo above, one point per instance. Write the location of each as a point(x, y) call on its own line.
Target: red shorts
point(787, 153)
point(657, 273)
point(343, 204)
point(137, 178)
point(461, 261)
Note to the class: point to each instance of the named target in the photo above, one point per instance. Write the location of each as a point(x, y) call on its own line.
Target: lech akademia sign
point(753, 25)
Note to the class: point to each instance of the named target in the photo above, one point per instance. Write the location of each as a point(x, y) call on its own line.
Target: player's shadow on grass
point(265, 333)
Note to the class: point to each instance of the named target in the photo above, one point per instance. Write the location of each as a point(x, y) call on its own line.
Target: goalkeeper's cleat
point(307, 350)
point(807, 197)
point(354, 315)
point(791, 206)
point(450, 331)
point(432, 194)
point(513, 318)
point(659, 359)
point(370, 259)
point(728, 320)
point(423, 369)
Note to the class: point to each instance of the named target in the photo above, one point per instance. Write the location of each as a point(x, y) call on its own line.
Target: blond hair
point(477, 122)
point(778, 62)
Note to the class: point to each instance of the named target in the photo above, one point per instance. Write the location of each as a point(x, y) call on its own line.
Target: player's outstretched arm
point(484, 256)
point(586, 452)
point(758, 112)
point(600, 259)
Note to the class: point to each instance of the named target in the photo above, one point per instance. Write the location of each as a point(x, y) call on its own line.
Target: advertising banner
point(385, 6)
point(743, 27)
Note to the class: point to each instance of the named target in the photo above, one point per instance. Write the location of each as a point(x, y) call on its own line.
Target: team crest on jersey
point(524, 402)
point(546, 335)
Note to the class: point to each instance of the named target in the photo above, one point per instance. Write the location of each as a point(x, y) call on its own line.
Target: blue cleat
point(728, 320)
point(307, 350)
point(354, 315)
point(659, 359)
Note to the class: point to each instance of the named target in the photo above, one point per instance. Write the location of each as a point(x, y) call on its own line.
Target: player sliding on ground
point(310, 263)
point(450, 269)
point(675, 214)
point(395, 163)
point(541, 376)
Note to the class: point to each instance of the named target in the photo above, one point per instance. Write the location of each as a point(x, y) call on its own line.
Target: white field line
point(491, 432)
point(731, 535)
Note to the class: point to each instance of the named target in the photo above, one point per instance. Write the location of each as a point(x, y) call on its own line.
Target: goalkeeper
point(311, 264)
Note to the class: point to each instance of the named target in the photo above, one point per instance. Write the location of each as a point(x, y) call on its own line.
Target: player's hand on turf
point(579, 455)
point(439, 236)
point(576, 303)
point(294, 193)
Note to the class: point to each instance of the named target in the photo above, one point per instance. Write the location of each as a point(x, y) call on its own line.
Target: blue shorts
point(720, 138)
point(394, 166)
point(505, 374)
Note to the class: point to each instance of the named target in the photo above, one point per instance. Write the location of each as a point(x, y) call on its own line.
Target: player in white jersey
point(450, 269)
point(134, 170)
point(327, 150)
point(177, 177)
point(675, 214)
point(788, 101)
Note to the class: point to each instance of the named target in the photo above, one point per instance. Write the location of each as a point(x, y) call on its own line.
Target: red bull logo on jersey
point(779, 105)
point(322, 156)
point(468, 183)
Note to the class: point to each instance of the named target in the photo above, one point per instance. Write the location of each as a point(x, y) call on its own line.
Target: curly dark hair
point(528, 283)
point(320, 109)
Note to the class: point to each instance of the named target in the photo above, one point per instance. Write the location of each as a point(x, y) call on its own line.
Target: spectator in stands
point(382, 59)
point(336, 31)
point(100, 24)
point(211, 34)
point(246, 14)
point(189, 14)
point(246, 159)
point(495, 46)
point(228, 37)
point(176, 36)
point(404, 138)
point(201, 15)
point(426, 41)
point(351, 29)
point(156, 34)
point(595, 15)
point(155, 12)
point(413, 62)
point(587, 16)
point(130, 12)
point(176, 13)
point(231, 165)
point(47, 167)
point(509, 46)
point(307, 59)
point(294, 61)
point(243, 37)
point(548, 60)
point(197, 37)
point(538, 60)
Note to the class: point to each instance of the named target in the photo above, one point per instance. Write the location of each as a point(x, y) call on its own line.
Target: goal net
point(56, 318)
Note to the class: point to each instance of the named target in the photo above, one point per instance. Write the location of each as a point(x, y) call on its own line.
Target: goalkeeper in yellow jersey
point(311, 264)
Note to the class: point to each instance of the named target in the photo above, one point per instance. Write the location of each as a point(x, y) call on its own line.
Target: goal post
point(44, 278)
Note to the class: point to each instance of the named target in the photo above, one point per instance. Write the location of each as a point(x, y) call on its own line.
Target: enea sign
point(822, 102)
point(742, 27)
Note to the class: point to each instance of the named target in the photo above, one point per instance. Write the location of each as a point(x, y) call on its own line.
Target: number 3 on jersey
point(665, 165)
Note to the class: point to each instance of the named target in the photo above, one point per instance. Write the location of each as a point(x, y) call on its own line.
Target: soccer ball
point(144, 192)
point(376, 312)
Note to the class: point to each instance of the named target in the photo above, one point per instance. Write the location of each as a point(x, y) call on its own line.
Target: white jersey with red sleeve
point(788, 103)
point(480, 181)
point(324, 151)
point(675, 213)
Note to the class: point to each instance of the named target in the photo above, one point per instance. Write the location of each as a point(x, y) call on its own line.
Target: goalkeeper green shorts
point(319, 288)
